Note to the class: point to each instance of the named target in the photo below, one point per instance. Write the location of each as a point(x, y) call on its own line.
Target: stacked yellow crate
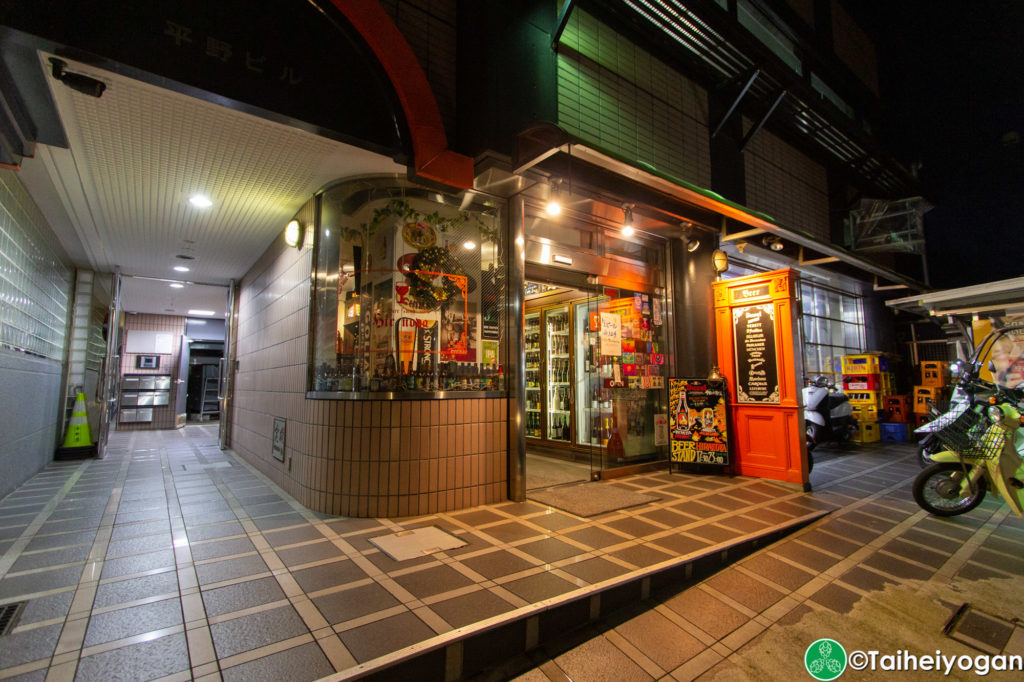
point(933, 387)
point(864, 384)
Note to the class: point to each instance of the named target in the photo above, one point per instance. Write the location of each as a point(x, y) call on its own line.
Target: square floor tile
point(384, 636)
point(61, 540)
point(328, 575)
point(641, 555)
point(239, 596)
point(536, 588)
point(594, 537)
point(290, 536)
point(146, 661)
point(234, 636)
point(139, 545)
point(550, 550)
point(14, 586)
point(134, 530)
point(633, 527)
point(511, 531)
point(137, 563)
point(750, 592)
point(681, 545)
point(430, 581)
point(298, 664)
point(135, 620)
point(212, 549)
point(28, 646)
point(706, 612)
point(304, 554)
point(660, 639)
point(51, 557)
point(497, 564)
point(229, 569)
point(121, 591)
point(595, 570)
point(339, 607)
point(45, 608)
point(217, 530)
point(471, 608)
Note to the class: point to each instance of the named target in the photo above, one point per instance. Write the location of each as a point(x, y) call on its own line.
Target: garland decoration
point(433, 259)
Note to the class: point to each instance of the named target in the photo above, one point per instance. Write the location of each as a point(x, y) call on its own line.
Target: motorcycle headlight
point(956, 369)
point(995, 413)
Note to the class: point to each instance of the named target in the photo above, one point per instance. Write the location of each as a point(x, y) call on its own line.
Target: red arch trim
point(431, 157)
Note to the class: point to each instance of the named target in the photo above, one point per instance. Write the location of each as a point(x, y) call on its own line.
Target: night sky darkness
point(952, 79)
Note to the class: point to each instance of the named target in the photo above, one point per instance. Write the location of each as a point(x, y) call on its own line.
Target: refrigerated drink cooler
point(589, 395)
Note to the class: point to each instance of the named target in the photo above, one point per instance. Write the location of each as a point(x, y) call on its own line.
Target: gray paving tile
point(137, 563)
point(14, 586)
point(298, 664)
point(217, 530)
point(595, 570)
point(497, 564)
point(268, 508)
point(748, 591)
point(633, 527)
point(205, 519)
point(254, 631)
point(45, 608)
point(836, 597)
point(384, 636)
point(896, 567)
point(141, 516)
point(279, 521)
point(555, 521)
point(594, 537)
point(30, 645)
point(471, 608)
point(134, 620)
point(328, 575)
point(779, 572)
point(241, 596)
point(346, 605)
point(212, 549)
point(51, 557)
point(139, 545)
point(550, 550)
point(81, 523)
point(305, 554)
point(641, 555)
point(229, 569)
point(122, 591)
point(146, 661)
point(289, 536)
point(660, 639)
point(539, 587)
point(135, 530)
point(511, 531)
point(599, 659)
point(430, 581)
point(709, 614)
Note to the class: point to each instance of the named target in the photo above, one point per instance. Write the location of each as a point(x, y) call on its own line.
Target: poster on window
point(696, 421)
point(611, 334)
point(757, 367)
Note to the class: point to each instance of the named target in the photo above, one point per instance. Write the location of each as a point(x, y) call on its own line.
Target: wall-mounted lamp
point(773, 243)
point(627, 220)
point(293, 233)
point(554, 206)
point(692, 242)
point(77, 81)
point(720, 260)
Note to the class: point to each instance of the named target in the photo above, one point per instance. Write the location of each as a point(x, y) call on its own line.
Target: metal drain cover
point(980, 630)
point(409, 544)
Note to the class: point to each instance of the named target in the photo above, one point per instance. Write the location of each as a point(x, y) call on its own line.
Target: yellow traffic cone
point(78, 440)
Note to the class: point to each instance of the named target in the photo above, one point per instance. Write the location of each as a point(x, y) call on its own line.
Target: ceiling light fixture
point(469, 245)
point(202, 312)
point(627, 220)
point(181, 268)
point(176, 285)
point(200, 201)
point(293, 233)
point(773, 243)
point(554, 206)
point(77, 81)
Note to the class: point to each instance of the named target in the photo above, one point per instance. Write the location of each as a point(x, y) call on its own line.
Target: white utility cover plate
point(410, 544)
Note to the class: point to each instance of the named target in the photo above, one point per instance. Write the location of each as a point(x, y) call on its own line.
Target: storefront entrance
point(594, 377)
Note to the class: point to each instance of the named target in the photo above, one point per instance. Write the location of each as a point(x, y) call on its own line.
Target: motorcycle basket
point(968, 435)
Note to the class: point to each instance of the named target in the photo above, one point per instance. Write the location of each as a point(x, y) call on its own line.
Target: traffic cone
point(78, 441)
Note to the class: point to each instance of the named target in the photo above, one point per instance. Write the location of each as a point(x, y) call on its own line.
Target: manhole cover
point(409, 544)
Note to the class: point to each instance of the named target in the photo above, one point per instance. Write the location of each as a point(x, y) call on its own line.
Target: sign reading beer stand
point(697, 422)
point(756, 322)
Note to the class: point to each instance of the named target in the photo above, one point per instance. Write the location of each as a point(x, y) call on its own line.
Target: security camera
point(76, 81)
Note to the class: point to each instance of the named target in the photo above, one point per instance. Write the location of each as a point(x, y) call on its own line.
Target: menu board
point(757, 367)
point(696, 421)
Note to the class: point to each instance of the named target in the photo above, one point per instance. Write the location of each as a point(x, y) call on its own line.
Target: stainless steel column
point(515, 269)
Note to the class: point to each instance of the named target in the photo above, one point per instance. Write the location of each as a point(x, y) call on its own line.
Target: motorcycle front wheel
point(937, 490)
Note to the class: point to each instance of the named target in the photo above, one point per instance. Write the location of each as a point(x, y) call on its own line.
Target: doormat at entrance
point(590, 499)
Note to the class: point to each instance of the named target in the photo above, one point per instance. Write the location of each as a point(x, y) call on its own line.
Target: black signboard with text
point(757, 366)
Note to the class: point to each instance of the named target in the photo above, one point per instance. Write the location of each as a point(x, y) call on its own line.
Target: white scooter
point(828, 414)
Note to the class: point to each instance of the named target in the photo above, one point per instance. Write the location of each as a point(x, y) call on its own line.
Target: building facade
point(431, 329)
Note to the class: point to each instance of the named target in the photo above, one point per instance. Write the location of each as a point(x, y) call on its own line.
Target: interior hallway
point(169, 559)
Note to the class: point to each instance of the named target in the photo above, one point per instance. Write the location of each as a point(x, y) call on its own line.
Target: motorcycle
point(984, 444)
point(828, 415)
point(968, 384)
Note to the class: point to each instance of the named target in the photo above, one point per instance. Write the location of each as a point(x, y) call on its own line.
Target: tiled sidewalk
point(878, 573)
point(171, 560)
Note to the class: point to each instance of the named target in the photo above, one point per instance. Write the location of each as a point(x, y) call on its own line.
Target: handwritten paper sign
point(611, 334)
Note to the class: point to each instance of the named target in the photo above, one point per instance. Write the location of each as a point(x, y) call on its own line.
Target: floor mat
point(589, 499)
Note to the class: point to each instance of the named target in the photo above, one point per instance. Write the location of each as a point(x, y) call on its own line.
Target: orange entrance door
point(755, 326)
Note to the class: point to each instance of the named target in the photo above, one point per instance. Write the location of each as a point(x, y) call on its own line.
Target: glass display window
point(409, 291)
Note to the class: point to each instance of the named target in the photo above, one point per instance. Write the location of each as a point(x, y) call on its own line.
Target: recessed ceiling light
point(177, 285)
point(469, 245)
point(201, 312)
point(200, 201)
point(181, 268)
